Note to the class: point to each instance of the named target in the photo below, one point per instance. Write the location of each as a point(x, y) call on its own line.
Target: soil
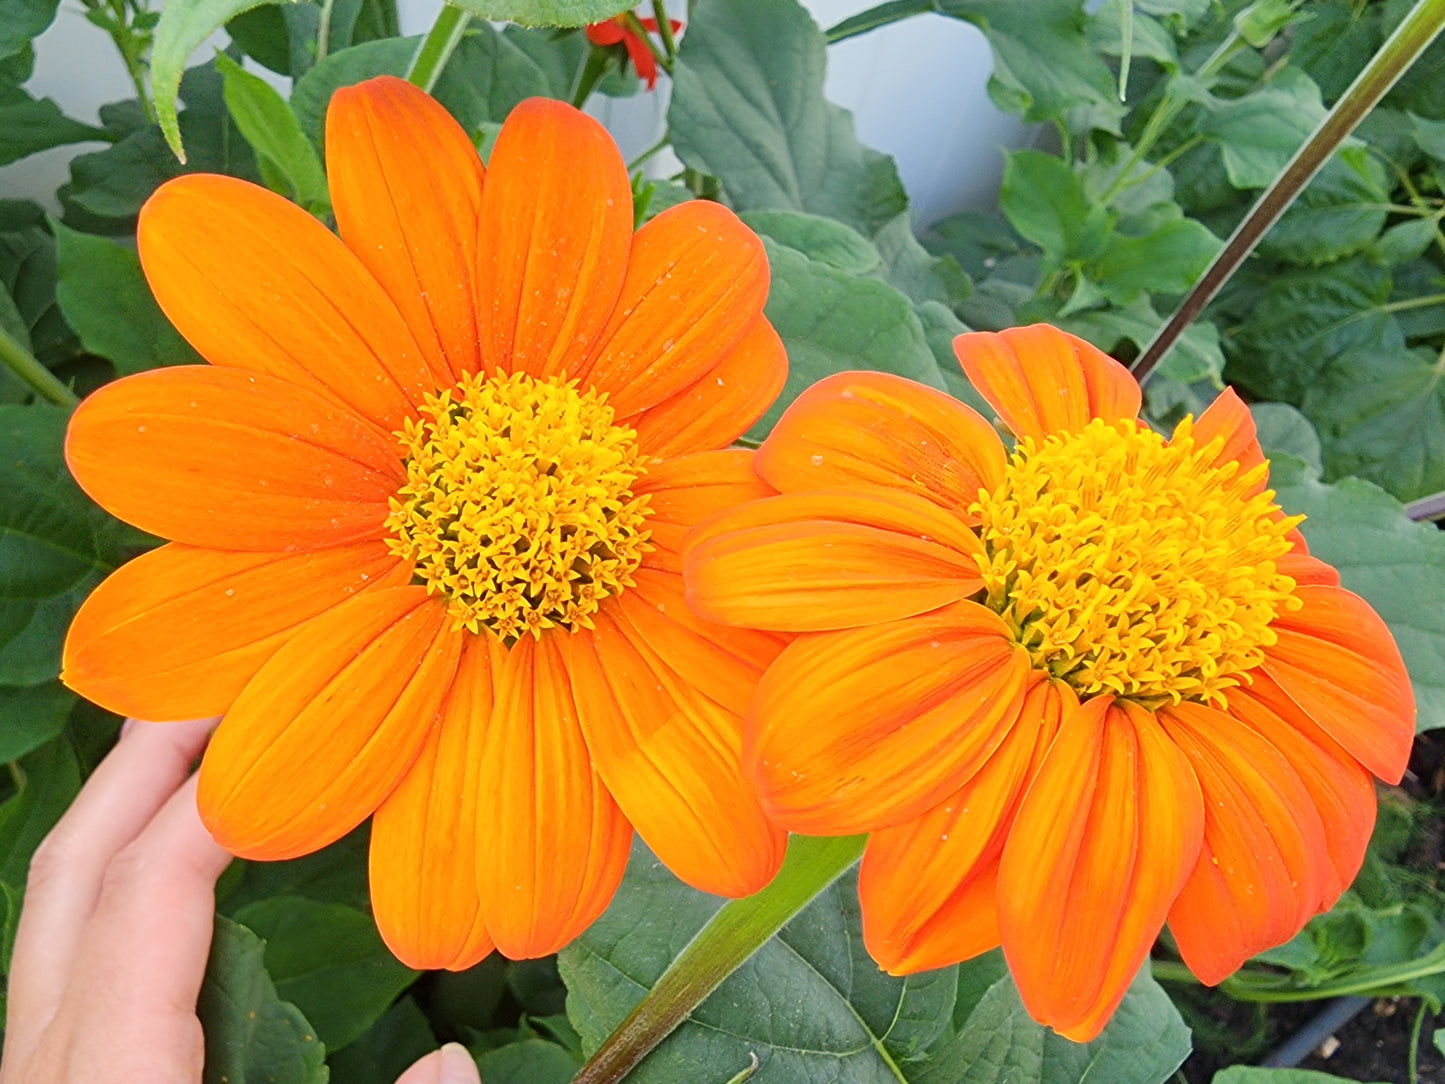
point(1375, 1046)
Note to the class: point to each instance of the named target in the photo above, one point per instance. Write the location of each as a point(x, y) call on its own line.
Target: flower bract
point(424, 510)
point(1073, 690)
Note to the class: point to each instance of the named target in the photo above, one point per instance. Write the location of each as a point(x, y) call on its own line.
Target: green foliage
point(287, 159)
point(1242, 1074)
point(546, 12)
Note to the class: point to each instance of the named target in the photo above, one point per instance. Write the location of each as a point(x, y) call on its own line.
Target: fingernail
point(458, 1066)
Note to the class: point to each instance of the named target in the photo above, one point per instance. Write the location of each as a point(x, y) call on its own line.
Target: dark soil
point(1375, 1046)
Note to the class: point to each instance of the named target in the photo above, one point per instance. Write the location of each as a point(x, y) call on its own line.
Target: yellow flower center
point(518, 504)
point(1126, 564)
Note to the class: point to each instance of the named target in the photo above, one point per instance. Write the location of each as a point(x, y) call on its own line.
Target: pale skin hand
point(116, 927)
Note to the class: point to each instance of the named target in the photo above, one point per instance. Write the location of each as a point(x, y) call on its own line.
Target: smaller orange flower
point(615, 31)
point(1073, 691)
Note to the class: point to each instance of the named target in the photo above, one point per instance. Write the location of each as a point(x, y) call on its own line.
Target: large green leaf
point(31, 715)
point(529, 1061)
point(1397, 566)
point(55, 545)
point(184, 25)
point(831, 321)
point(330, 961)
point(28, 125)
point(400, 1037)
point(748, 108)
point(1381, 414)
point(546, 12)
point(1339, 213)
point(22, 20)
point(28, 274)
point(282, 149)
point(334, 874)
point(1259, 133)
point(1249, 1074)
point(252, 1036)
point(1144, 1043)
point(823, 239)
point(105, 298)
point(312, 92)
point(1166, 260)
point(1044, 200)
point(809, 1003)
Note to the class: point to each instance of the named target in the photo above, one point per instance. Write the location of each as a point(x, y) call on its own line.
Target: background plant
point(1160, 122)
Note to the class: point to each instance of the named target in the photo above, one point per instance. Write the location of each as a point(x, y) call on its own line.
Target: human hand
point(116, 927)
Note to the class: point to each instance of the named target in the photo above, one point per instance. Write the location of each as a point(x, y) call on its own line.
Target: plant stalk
point(436, 48)
point(664, 28)
point(32, 374)
point(1409, 40)
point(720, 948)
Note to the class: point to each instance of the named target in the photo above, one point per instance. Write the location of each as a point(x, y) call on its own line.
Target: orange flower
point(426, 505)
point(615, 31)
point(1072, 692)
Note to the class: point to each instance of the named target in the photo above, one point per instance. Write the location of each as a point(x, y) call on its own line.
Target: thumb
point(449, 1065)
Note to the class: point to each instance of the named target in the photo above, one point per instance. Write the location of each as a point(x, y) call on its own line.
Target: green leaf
point(49, 782)
point(1043, 68)
point(106, 299)
point(1397, 566)
point(841, 1019)
point(21, 21)
point(275, 135)
point(822, 239)
point(252, 1036)
point(491, 72)
point(1382, 416)
point(330, 961)
point(748, 108)
point(393, 1043)
point(1339, 213)
point(28, 125)
point(832, 322)
point(1195, 357)
point(32, 715)
point(1403, 242)
point(529, 1061)
point(334, 874)
point(1246, 1074)
point(1283, 430)
point(55, 545)
point(1168, 260)
point(184, 26)
point(1144, 1043)
point(1304, 317)
point(546, 12)
point(1044, 200)
point(1259, 133)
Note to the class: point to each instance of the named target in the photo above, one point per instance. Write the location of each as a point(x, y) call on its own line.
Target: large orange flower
point(1072, 692)
point(425, 508)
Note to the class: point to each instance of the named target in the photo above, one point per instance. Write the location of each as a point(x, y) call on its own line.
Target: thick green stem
point(436, 48)
point(323, 31)
point(664, 28)
point(32, 374)
point(1409, 40)
point(1272, 987)
point(720, 948)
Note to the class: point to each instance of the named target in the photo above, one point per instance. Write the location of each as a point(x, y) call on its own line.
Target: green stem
point(664, 27)
point(589, 76)
point(1272, 987)
point(1414, 1059)
point(664, 61)
point(720, 948)
point(1408, 41)
point(323, 31)
point(35, 376)
point(436, 49)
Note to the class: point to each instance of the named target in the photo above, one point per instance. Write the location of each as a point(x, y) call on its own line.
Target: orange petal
point(669, 750)
point(696, 282)
point(719, 406)
point(552, 843)
point(1104, 839)
point(882, 430)
point(829, 559)
point(1042, 380)
point(556, 222)
point(1340, 788)
point(232, 460)
point(1265, 867)
point(1337, 660)
point(1304, 569)
point(926, 886)
point(178, 632)
point(406, 184)
point(859, 730)
point(1228, 419)
point(256, 283)
point(329, 725)
point(424, 837)
point(689, 489)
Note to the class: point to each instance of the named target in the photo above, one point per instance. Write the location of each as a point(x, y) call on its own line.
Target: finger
point(116, 803)
point(449, 1065)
